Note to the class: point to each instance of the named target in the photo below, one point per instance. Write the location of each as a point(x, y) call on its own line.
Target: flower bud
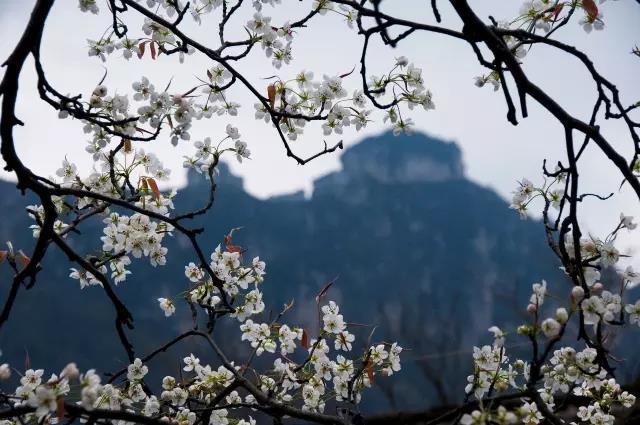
point(561, 315)
point(551, 327)
point(524, 330)
point(532, 308)
point(402, 61)
point(100, 91)
point(5, 371)
point(178, 100)
point(95, 101)
point(502, 385)
point(577, 294)
point(597, 288)
point(70, 371)
point(168, 383)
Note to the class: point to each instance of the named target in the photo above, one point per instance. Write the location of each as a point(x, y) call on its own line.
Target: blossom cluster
point(546, 16)
point(207, 155)
point(593, 299)
point(302, 97)
point(319, 374)
point(566, 370)
point(290, 104)
point(306, 372)
point(289, 379)
point(551, 191)
point(232, 278)
point(47, 398)
point(124, 235)
point(134, 235)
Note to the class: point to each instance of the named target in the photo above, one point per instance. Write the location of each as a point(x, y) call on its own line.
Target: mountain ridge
point(427, 256)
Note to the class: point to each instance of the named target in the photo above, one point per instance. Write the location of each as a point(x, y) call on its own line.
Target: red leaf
point(27, 360)
point(323, 291)
point(234, 248)
point(189, 92)
point(140, 50)
point(228, 241)
point(305, 339)
point(127, 146)
point(60, 411)
point(591, 8)
point(271, 94)
point(369, 369)
point(152, 46)
point(23, 258)
point(343, 339)
point(557, 11)
point(3, 255)
point(231, 247)
point(154, 187)
point(348, 73)
point(209, 75)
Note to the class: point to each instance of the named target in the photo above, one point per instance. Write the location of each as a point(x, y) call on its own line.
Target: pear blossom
point(627, 222)
point(88, 6)
point(5, 372)
point(498, 336)
point(551, 327)
point(167, 306)
point(136, 371)
point(633, 310)
point(539, 293)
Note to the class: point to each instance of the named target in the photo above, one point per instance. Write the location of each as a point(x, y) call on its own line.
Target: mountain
point(419, 251)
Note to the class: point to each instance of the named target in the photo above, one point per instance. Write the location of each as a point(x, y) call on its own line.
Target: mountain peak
point(403, 159)
point(398, 159)
point(384, 158)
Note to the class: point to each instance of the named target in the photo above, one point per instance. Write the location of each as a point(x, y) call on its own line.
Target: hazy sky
point(496, 153)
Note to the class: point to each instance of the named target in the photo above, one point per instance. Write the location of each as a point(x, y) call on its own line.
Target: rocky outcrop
point(388, 159)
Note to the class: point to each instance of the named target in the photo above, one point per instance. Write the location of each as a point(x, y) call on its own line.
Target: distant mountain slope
point(430, 257)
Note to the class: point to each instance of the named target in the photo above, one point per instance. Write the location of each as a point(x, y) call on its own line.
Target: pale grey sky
point(495, 152)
